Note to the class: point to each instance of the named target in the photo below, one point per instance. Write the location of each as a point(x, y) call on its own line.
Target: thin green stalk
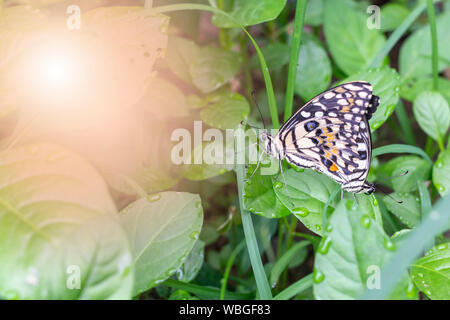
point(289, 241)
point(296, 288)
point(293, 60)
point(411, 248)
point(245, 65)
point(425, 205)
point(205, 292)
point(280, 238)
point(223, 34)
point(396, 35)
point(230, 262)
point(252, 246)
point(434, 43)
point(327, 204)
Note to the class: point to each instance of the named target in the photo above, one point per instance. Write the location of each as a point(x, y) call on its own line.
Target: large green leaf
point(431, 273)
point(385, 82)
point(441, 173)
point(259, 197)
point(313, 70)
point(394, 171)
point(212, 67)
point(57, 220)
point(162, 229)
point(408, 211)
point(250, 12)
point(193, 263)
point(415, 53)
point(433, 114)
point(226, 110)
point(352, 44)
point(314, 12)
point(349, 258)
point(305, 195)
point(392, 15)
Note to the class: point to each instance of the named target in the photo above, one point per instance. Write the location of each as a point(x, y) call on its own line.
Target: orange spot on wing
point(327, 155)
point(334, 168)
point(334, 150)
point(340, 90)
point(345, 109)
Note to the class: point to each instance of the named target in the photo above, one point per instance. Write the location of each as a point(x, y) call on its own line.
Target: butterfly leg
point(342, 194)
point(257, 166)
point(356, 199)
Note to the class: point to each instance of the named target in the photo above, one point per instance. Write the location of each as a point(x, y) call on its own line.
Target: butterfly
point(330, 134)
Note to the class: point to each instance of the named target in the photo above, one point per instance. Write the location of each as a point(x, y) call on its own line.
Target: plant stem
point(293, 60)
point(223, 34)
point(245, 66)
point(230, 262)
point(434, 43)
point(396, 35)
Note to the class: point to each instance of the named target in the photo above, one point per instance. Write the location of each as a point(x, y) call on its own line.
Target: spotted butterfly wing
point(331, 134)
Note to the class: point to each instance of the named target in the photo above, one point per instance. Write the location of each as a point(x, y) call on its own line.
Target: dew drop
point(318, 276)
point(440, 188)
point(388, 244)
point(154, 197)
point(365, 221)
point(278, 185)
point(375, 202)
point(171, 271)
point(329, 228)
point(251, 209)
point(194, 235)
point(324, 245)
point(411, 290)
point(318, 227)
point(301, 211)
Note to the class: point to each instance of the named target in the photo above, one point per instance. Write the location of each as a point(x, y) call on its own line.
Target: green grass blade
point(434, 43)
point(295, 288)
point(416, 242)
point(425, 204)
point(400, 148)
point(405, 124)
point(230, 262)
point(205, 292)
point(284, 260)
point(396, 35)
point(293, 60)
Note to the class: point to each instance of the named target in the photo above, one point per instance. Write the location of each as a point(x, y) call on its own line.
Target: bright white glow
point(56, 71)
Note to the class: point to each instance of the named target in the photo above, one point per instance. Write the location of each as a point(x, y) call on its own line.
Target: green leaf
point(226, 110)
point(314, 13)
point(408, 211)
point(180, 53)
point(392, 15)
point(441, 173)
point(385, 82)
point(394, 172)
point(193, 263)
point(431, 273)
point(305, 195)
point(352, 44)
point(351, 254)
point(415, 53)
point(433, 114)
point(162, 229)
point(213, 67)
point(283, 262)
point(411, 89)
point(276, 55)
point(250, 12)
point(259, 197)
point(313, 70)
point(57, 222)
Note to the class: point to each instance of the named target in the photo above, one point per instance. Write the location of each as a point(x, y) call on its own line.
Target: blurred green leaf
point(162, 229)
point(433, 114)
point(351, 254)
point(226, 110)
point(313, 70)
point(250, 12)
point(415, 53)
point(180, 295)
point(392, 15)
point(212, 67)
point(441, 173)
point(276, 55)
point(394, 172)
point(179, 55)
point(386, 83)
point(408, 211)
point(58, 229)
point(352, 44)
point(411, 89)
point(431, 273)
point(314, 13)
point(305, 195)
point(259, 197)
point(193, 263)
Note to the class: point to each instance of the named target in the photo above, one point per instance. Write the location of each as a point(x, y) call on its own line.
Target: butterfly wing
point(331, 134)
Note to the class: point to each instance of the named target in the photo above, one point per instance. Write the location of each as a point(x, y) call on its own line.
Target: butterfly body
point(330, 134)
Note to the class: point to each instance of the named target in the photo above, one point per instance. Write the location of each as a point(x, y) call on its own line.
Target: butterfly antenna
point(386, 193)
point(257, 106)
